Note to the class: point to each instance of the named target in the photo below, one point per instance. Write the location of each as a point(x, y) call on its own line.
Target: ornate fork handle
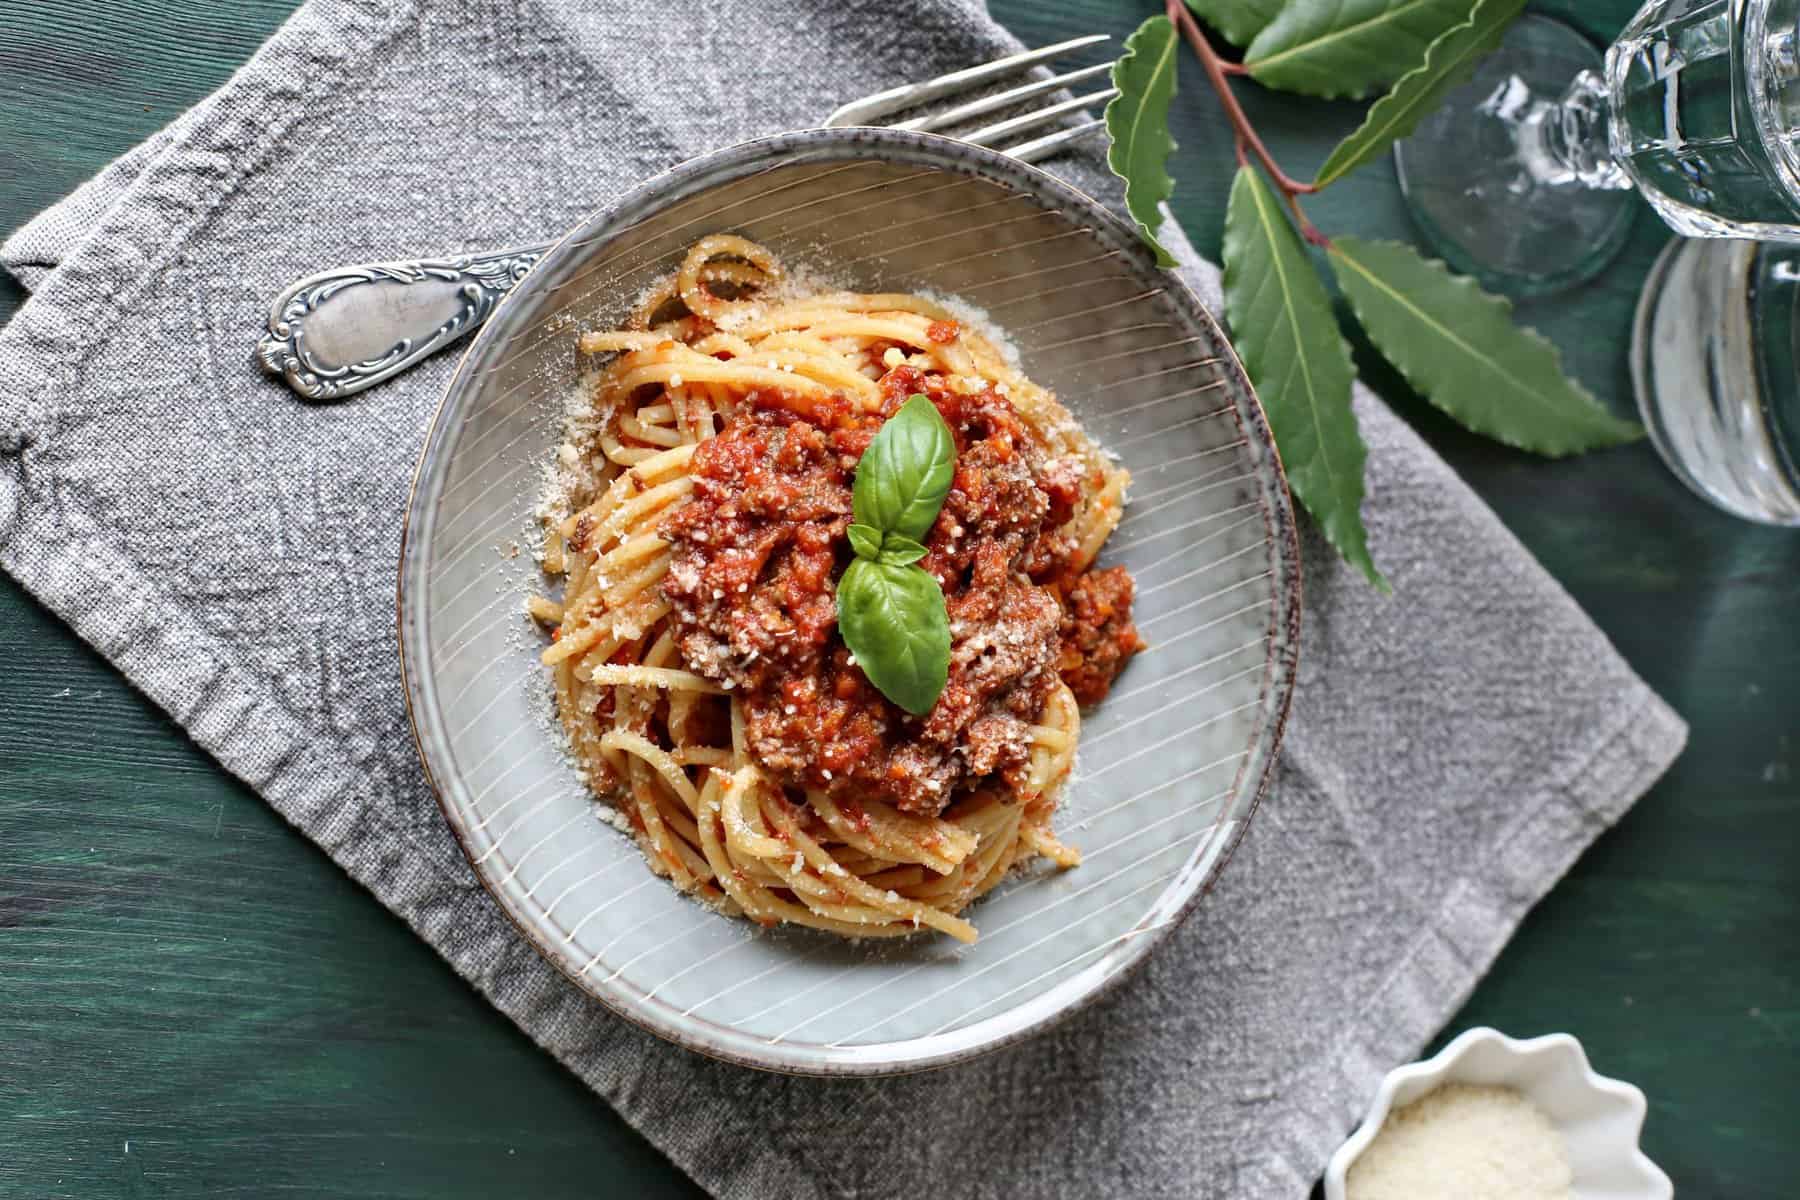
point(338, 332)
point(335, 334)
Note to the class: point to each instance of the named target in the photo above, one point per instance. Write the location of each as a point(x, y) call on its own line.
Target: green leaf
point(1288, 340)
point(905, 473)
point(1338, 48)
point(865, 540)
point(1137, 121)
point(1459, 347)
point(1238, 20)
point(891, 612)
point(894, 621)
point(1448, 61)
point(898, 550)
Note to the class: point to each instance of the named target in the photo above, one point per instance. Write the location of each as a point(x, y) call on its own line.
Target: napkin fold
point(1453, 747)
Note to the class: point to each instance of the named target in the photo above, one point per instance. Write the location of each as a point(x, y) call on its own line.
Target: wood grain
point(195, 1002)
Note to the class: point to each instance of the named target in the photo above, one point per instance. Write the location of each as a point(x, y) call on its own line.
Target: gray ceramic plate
point(1171, 766)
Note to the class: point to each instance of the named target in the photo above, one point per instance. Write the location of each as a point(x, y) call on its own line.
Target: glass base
point(1489, 211)
point(1714, 367)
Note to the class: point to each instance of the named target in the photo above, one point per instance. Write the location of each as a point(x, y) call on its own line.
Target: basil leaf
point(890, 612)
point(905, 473)
point(893, 620)
point(865, 540)
point(898, 550)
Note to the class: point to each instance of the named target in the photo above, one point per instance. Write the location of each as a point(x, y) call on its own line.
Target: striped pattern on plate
point(1170, 766)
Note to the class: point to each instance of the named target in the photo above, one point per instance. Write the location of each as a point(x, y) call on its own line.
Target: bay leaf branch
point(1348, 48)
point(1458, 347)
point(1447, 62)
point(1137, 122)
point(1288, 340)
point(1239, 20)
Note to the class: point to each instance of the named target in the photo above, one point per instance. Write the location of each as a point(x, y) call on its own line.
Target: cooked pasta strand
point(646, 730)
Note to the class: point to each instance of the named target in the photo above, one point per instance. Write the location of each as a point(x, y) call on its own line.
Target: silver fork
point(340, 331)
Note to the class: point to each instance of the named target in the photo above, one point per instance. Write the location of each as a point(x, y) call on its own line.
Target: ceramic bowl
point(1598, 1118)
point(1170, 767)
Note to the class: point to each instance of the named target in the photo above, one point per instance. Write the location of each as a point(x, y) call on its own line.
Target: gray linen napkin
point(1453, 747)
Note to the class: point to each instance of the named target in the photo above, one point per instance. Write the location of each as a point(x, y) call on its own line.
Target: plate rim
point(1037, 1013)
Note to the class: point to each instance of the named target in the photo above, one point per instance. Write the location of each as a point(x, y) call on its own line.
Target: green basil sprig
point(893, 620)
point(905, 473)
point(890, 610)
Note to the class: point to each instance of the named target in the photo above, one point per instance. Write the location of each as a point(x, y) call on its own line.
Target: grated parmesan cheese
point(1470, 1142)
point(972, 317)
point(614, 816)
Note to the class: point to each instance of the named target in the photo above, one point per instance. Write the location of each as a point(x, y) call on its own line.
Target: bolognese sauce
point(761, 541)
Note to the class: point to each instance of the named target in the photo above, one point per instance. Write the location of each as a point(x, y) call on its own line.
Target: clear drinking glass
point(1715, 359)
point(1523, 177)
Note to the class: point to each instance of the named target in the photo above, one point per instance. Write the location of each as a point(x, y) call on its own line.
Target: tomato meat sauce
point(759, 545)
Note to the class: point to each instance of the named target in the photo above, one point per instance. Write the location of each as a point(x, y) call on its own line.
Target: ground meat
point(1097, 634)
point(757, 552)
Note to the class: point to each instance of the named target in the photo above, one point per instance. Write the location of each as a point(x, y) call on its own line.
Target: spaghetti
point(696, 668)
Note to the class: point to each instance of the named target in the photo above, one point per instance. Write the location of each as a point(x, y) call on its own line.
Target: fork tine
point(866, 110)
point(987, 135)
point(1006, 99)
point(1050, 143)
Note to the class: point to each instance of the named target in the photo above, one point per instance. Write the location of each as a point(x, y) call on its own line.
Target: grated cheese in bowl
point(1466, 1142)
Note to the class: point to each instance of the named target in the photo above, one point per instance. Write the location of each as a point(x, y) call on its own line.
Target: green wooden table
point(194, 1001)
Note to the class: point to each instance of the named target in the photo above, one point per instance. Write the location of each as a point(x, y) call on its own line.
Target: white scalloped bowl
point(1599, 1118)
